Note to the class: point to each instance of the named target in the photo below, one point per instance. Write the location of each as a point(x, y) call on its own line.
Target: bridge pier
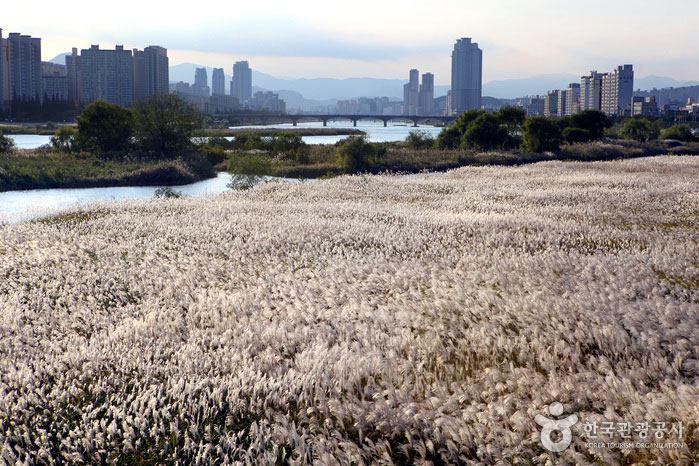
point(414, 123)
point(354, 123)
point(295, 121)
point(385, 123)
point(325, 122)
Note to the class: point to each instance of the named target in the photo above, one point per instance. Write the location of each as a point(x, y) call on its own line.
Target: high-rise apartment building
point(561, 108)
point(411, 94)
point(572, 97)
point(106, 74)
point(20, 67)
point(53, 77)
point(551, 103)
point(617, 91)
point(151, 72)
point(591, 91)
point(201, 83)
point(74, 84)
point(218, 82)
point(466, 76)
point(241, 84)
point(426, 95)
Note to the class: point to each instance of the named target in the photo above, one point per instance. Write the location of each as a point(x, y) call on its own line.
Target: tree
point(576, 135)
point(356, 154)
point(449, 138)
point(541, 134)
point(485, 133)
point(104, 127)
point(466, 118)
point(165, 125)
point(64, 139)
point(6, 144)
point(639, 129)
point(592, 120)
point(681, 132)
point(512, 118)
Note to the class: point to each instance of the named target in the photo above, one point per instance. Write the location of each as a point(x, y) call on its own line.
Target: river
point(22, 205)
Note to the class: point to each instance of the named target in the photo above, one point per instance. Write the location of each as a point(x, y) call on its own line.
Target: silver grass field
point(359, 320)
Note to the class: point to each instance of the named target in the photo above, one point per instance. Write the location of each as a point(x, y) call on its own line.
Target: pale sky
point(379, 38)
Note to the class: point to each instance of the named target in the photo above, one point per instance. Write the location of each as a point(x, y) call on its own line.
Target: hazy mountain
point(659, 82)
point(535, 85)
point(59, 59)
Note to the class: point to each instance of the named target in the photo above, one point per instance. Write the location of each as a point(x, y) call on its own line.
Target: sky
point(380, 38)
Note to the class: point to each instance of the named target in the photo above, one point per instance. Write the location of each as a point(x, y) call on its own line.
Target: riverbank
point(35, 169)
point(399, 158)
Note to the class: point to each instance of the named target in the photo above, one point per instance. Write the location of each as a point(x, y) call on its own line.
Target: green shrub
point(356, 154)
point(484, 133)
point(449, 138)
point(167, 193)
point(105, 128)
point(419, 140)
point(576, 135)
point(681, 132)
point(6, 144)
point(540, 134)
point(64, 139)
point(592, 120)
point(639, 129)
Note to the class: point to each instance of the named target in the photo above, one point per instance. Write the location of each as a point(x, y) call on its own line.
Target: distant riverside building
point(241, 84)
point(218, 82)
point(644, 106)
point(105, 74)
point(551, 104)
point(591, 91)
point(73, 78)
point(617, 91)
point(534, 106)
point(410, 93)
point(561, 109)
point(151, 72)
point(426, 95)
point(572, 98)
point(20, 68)
point(53, 77)
point(223, 103)
point(466, 76)
point(201, 83)
point(268, 101)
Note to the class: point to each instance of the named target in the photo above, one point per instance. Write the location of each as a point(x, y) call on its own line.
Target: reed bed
point(357, 320)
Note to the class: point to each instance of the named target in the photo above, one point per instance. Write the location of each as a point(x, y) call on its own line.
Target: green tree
point(575, 135)
point(639, 129)
point(64, 139)
point(681, 132)
point(466, 118)
point(165, 125)
point(512, 118)
point(540, 134)
point(104, 127)
point(6, 144)
point(592, 120)
point(485, 133)
point(449, 138)
point(356, 154)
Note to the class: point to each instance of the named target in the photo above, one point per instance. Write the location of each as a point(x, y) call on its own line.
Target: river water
point(22, 205)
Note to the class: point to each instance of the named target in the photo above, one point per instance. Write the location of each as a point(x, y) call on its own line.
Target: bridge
point(295, 119)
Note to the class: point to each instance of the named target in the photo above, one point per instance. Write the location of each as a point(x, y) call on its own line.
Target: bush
point(576, 135)
point(484, 133)
point(419, 140)
point(356, 154)
point(681, 132)
point(64, 139)
point(449, 138)
point(6, 144)
point(167, 193)
point(165, 126)
point(639, 129)
point(541, 135)
point(104, 127)
point(512, 118)
point(592, 120)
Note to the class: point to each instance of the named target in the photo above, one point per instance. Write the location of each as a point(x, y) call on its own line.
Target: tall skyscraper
point(74, 84)
point(151, 72)
point(21, 67)
point(426, 95)
point(201, 83)
point(4, 63)
point(411, 93)
point(466, 76)
point(591, 91)
point(218, 82)
point(241, 84)
point(106, 74)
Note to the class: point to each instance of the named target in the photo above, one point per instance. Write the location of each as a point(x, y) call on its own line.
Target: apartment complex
point(611, 93)
point(53, 81)
point(551, 103)
point(241, 84)
point(201, 83)
point(426, 95)
point(151, 72)
point(410, 93)
point(466, 76)
point(20, 68)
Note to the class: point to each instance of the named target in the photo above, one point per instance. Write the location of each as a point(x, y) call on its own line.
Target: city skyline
point(304, 40)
